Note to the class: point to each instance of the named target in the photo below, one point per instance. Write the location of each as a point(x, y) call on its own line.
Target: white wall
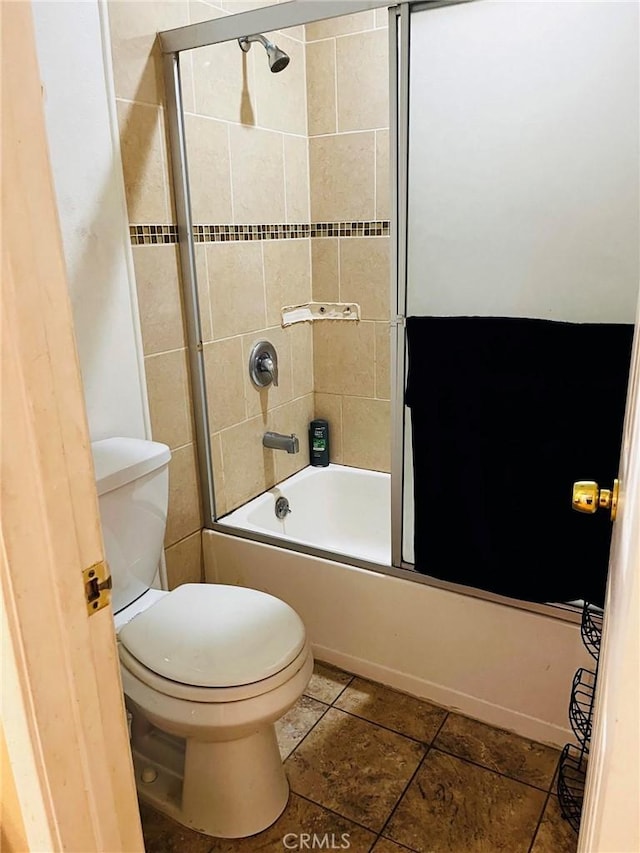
point(79, 109)
point(523, 174)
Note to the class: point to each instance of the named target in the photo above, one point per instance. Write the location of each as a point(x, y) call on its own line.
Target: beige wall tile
point(169, 399)
point(343, 358)
point(137, 64)
point(382, 17)
point(184, 561)
point(224, 369)
point(296, 169)
point(342, 177)
point(249, 467)
point(329, 407)
point(257, 175)
point(383, 361)
point(220, 493)
point(236, 288)
point(186, 83)
point(236, 6)
point(261, 400)
point(143, 162)
point(366, 433)
point(159, 302)
point(301, 340)
point(325, 274)
point(223, 82)
point(287, 275)
point(280, 97)
point(383, 184)
point(295, 33)
point(203, 292)
point(294, 418)
point(340, 26)
point(364, 275)
point(209, 175)
point(184, 499)
point(321, 87)
point(203, 10)
point(363, 81)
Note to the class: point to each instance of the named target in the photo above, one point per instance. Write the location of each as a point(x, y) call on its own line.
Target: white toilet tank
point(133, 489)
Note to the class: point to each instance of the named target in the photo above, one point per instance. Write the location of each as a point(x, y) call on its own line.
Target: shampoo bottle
point(319, 443)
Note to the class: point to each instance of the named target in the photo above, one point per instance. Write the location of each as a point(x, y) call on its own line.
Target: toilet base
point(228, 789)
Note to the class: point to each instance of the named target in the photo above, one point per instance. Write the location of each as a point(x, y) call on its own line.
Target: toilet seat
point(211, 695)
point(213, 643)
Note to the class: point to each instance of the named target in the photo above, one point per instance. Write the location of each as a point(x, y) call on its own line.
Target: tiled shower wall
point(251, 136)
point(348, 116)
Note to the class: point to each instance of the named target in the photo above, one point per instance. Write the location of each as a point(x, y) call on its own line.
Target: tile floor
point(387, 773)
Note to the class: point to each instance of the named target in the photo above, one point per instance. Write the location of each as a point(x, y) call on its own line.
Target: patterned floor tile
point(383, 845)
point(452, 806)
point(397, 711)
point(353, 767)
point(517, 757)
point(297, 722)
point(327, 683)
point(163, 835)
point(554, 833)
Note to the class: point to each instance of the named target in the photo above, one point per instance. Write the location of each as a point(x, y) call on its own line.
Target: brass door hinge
point(97, 586)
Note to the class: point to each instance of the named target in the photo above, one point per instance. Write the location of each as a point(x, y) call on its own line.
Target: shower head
point(278, 59)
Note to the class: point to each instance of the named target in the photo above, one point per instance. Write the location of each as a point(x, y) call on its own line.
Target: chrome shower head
point(278, 59)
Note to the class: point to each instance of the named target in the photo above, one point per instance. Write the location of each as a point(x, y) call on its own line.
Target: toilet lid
point(212, 635)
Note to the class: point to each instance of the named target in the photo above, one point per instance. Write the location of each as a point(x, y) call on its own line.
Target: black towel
point(506, 414)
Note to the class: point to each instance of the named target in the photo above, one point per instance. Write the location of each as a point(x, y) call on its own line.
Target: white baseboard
point(452, 700)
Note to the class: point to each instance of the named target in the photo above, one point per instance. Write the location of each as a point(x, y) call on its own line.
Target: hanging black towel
point(506, 414)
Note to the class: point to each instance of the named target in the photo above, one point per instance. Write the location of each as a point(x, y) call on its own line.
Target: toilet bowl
point(207, 669)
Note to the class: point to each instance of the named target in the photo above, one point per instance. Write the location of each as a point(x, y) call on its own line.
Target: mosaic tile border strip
point(148, 235)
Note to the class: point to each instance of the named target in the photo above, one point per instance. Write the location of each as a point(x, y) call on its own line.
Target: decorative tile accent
point(147, 235)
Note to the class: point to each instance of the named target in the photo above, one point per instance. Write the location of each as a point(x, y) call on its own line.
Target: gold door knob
point(588, 497)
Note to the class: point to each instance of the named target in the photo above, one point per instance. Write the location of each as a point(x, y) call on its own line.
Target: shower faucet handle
point(263, 364)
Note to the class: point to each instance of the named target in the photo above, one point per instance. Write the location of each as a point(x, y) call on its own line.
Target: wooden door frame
point(63, 714)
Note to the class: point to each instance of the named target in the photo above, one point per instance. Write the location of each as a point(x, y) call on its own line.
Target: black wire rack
point(581, 705)
point(591, 629)
point(572, 772)
point(572, 768)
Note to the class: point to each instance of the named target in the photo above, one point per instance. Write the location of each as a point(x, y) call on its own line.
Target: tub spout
point(277, 441)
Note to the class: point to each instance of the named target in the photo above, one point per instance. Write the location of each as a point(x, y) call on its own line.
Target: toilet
point(207, 669)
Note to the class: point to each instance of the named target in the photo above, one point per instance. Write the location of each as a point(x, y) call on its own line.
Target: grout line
point(284, 181)
point(386, 728)
point(488, 769)
point(413, 776)
point(164, 352)
point(249, 127)
point(347, 35)
point(535, 831)
point(307, 733)
point(333, 811)
point(348, 132)
point(335, 89)
point(375, 172)
point(231, 199)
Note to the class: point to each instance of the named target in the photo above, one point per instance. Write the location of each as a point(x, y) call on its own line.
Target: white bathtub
point(339, 509)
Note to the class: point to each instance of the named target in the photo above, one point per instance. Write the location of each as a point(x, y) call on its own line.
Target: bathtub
point(339, 509)
point(465, 653)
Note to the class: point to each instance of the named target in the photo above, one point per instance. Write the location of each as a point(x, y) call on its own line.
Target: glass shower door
point(522, 220)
